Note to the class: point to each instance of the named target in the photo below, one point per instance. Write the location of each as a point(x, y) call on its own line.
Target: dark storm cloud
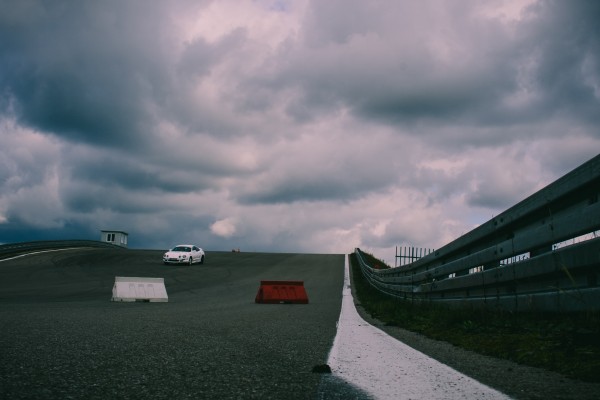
point(20, 167)
point(112, 171)
point(197, 62)
point(87, 69)
point(340, 167)
point(321, 125)
point(310, 189)
point(199, 56)
point(79, 197)
point(20, 231)
point(461, 68)
point(360, 63)
point(563, 43)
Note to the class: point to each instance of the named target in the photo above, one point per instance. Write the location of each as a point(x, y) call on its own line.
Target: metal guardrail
point(543, 254)
point(11, 249)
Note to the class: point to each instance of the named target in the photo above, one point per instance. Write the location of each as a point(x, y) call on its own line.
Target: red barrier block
point(274, 292)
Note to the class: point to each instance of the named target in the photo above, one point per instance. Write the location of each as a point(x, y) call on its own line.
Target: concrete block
point(139, 289)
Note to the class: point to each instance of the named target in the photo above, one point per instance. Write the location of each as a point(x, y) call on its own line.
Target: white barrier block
point(139, 289)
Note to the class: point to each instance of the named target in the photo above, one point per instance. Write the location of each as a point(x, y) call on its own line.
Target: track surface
point(62, 337)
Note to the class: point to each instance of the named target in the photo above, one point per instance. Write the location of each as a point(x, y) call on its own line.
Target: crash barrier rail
point(12, 249)
point(543, 254)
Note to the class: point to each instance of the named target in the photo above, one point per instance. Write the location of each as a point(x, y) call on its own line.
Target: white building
point(115, 237)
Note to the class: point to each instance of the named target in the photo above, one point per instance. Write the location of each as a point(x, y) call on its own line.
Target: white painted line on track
point(386, 368)
point(39, 252)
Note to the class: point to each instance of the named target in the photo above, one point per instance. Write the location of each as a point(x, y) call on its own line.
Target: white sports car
point(184, 254)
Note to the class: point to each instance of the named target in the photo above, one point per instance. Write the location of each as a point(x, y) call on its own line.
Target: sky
point(288, 125)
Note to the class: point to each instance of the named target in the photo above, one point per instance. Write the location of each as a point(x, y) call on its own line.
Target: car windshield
point(182, 248)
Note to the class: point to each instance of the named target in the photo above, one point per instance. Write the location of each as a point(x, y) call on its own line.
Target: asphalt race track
point(63, 338)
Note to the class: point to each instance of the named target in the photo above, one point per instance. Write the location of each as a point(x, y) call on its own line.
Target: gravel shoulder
point(518, 381)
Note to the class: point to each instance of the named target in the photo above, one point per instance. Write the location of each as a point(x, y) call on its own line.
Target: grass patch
point(565, 343)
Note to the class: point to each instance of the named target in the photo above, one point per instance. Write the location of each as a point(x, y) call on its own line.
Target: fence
point(541, 254)
point(407, 255)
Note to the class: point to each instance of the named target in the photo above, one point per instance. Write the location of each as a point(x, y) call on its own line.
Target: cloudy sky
point(288, 125)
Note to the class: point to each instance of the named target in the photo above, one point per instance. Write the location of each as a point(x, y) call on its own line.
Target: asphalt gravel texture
point(63, 338)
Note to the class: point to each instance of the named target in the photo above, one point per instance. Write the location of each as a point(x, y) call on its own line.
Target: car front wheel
point(202, 260)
